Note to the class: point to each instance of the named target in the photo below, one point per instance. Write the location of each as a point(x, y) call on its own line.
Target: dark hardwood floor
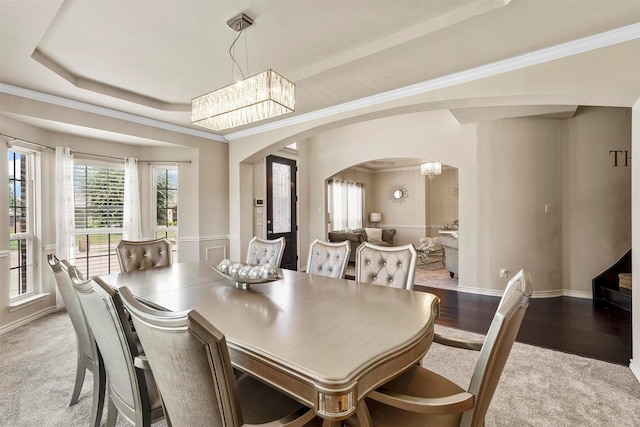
point(572, 325)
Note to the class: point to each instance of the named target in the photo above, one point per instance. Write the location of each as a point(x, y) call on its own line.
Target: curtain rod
point(24, 140)
point(122, 158)
point(92, 155)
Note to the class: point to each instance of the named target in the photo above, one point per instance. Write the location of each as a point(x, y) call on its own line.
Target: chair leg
point(80, 371)
point(112, 413)
point(99, 386)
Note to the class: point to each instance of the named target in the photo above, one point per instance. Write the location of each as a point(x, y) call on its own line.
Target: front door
point(281, 207)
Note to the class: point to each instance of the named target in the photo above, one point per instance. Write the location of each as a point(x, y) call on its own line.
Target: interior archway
point(406, 199)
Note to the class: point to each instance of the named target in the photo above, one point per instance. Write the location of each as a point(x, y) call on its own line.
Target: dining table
point(323, 341)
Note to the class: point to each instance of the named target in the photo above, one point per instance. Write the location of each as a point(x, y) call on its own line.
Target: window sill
point(23, 302)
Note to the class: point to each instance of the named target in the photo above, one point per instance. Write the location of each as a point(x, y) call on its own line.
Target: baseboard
point(578, 294)
point(480, 291)
point(21, 322)
point(539, 294)
point(635, 368)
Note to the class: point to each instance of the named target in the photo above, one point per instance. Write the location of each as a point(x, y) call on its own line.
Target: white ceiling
point(150, 58)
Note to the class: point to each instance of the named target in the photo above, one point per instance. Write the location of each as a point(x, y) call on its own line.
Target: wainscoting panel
point(212, 249)
point(215, 254)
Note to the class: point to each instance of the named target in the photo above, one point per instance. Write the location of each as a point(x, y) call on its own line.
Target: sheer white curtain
point(346, 204)
point(65, 223)
point(131, 215)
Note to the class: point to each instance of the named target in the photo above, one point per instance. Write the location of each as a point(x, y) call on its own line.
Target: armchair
point(450, 245)
point(421, 397)
point(196, 377)
point(88, 357)
point(131, 388)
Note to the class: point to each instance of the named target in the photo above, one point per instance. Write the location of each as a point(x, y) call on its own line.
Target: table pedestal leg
point(362, 412)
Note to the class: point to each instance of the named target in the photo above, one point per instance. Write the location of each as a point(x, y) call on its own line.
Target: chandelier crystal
point(431, 169)
point(255, 98)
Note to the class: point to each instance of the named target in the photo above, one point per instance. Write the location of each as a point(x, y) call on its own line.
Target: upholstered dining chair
point(131, 388)
point(138, 255)
point(190, 361)
point(262, 251)
point(88, 357)
point(420, 397)
point(393, 266)
point(328, 258)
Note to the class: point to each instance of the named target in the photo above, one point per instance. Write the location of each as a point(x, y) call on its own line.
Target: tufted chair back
point(262, 251)
point(328, 259)
point(139, 255)
point(387, 266)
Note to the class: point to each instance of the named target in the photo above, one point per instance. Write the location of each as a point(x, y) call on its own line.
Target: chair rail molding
point(202, 238)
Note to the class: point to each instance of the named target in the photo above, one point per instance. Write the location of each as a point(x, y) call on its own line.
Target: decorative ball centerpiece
point(246, 274)
point(243, 272)
point(235, 269)
point(224, 266)
point(254, 273)
point(268, 271)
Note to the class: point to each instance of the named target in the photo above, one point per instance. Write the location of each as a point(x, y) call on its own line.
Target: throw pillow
point(374, 234)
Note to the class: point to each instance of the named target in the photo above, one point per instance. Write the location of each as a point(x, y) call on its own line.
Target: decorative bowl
point(245, 282)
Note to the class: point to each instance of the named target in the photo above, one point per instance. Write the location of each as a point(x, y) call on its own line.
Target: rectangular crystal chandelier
point(255, 98)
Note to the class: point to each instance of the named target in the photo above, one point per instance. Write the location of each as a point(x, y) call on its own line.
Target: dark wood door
point(282, 207)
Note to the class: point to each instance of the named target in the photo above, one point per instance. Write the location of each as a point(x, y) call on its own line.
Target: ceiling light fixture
point(431, 169)
point(259, 97)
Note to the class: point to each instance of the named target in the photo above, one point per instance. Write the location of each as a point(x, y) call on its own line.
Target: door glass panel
point(281, 202)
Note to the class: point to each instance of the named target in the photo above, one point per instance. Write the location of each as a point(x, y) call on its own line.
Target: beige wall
point(519, 171)
point(407, 216)
point(203, 204)
point(432, 135)
point(509, 170)
point(596, 194)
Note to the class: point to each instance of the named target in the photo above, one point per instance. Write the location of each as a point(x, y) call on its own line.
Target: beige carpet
point(539, 387)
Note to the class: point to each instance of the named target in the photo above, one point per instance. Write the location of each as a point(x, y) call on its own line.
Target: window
point(99, 202)
point(346, 204)
point(165, 184)
point(22, 230)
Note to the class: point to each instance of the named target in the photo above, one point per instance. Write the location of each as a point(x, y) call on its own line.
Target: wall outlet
point(503, 272)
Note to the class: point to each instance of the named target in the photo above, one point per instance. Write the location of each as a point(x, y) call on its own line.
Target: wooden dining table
point(325, 342)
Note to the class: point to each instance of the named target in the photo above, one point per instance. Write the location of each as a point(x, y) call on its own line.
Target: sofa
point(359, 235)
point(450, 245)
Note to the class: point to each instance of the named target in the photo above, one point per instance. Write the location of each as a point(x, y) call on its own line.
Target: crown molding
point(586, 44)
point(106, 112)
point(575, 47)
